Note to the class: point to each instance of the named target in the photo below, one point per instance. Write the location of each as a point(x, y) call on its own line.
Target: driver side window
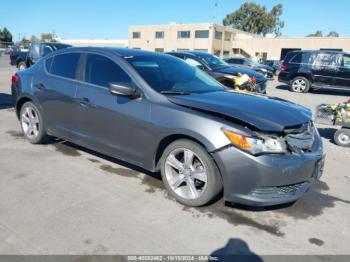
point(102, 71)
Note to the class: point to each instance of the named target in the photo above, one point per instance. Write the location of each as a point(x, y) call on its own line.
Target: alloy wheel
point(344, 139)
point(186, 173)
point(30, 122)
point(299, 85)
point(21, 67)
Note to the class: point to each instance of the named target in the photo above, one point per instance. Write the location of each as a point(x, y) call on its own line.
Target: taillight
point(283, 67)
point(14, 79)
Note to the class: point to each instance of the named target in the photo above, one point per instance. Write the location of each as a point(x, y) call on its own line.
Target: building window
point(201, 34)
point(159, 50)
point(136, 35)
point(228, 36)
point(183, 34)
point(202, 50)
point(160, 35)
point(218, 35)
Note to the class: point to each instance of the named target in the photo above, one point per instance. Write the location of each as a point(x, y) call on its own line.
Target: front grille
point(279, 191)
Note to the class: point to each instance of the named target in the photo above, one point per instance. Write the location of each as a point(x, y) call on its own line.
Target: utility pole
point(213, 18)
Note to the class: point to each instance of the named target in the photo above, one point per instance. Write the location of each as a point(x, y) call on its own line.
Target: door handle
point(39, 86)
point(84, 101)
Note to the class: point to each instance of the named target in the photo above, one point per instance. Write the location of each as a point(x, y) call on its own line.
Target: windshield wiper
point(169, 92)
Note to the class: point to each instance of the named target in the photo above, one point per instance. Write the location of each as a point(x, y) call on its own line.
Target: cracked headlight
point(256, 145)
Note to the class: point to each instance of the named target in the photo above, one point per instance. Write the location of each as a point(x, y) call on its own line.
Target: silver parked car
point(156, 111)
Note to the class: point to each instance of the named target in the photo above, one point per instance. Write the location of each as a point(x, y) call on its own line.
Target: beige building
point(206, 37)
point(224, 41)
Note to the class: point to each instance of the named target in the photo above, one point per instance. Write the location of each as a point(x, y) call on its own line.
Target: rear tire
point(300, 84)
point(190, 174)
point(21, 66)
point(32, 124)
point(342, 137)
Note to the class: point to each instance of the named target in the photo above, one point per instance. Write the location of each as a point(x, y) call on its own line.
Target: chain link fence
point(4, 46)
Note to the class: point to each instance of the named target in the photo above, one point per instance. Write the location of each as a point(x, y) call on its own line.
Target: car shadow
point(327, 133)
point(235, 250)
point(5, 101)
point(70, 149)
point(283, 87)
point(330, 91)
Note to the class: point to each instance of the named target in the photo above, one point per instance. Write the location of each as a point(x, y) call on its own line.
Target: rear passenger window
point(65, 65)
point(328, 60)
point(102, 71)
point(296, 59)
point(346, 61)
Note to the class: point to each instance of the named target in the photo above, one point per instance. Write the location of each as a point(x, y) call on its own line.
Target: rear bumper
point(267, 180)
point(283, 77)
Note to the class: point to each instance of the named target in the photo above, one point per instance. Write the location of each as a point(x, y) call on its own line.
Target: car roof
point(318, 51)
point(193, 53)
point(115, 50)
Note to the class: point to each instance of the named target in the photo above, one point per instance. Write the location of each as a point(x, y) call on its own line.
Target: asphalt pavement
point(63, 199)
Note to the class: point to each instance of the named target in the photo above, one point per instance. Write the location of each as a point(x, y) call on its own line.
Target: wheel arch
point(20, 103)
point(302, 74)
point(167, 140)
point(22, 100)
point(19, 61)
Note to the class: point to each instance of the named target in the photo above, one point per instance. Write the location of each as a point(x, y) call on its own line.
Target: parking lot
point(63, 199)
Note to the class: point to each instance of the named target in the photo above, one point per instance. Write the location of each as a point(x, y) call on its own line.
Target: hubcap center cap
point(186, 172)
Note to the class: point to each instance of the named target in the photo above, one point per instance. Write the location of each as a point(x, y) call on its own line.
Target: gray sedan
point(157, 112)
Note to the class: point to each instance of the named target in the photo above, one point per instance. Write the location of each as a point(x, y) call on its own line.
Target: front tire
point(32, 124)
point(190, 174)
point(342, 137)
point(300, 84)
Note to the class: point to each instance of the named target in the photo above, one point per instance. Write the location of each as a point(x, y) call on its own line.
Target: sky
point(109, 19)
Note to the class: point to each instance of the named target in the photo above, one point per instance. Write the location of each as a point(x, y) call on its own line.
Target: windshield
point(213, 61)
point(171, 75)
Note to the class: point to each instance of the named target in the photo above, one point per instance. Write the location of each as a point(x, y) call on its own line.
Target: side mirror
point(123, 89)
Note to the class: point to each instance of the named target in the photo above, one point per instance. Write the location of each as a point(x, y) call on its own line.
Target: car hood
point(233, 70)
point(262, 66)
point(264, 113)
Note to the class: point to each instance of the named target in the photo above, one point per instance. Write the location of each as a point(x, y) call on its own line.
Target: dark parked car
point(219, 69)
point(16, 52)
point(157, 112)
point(266, 70)
point(275, 64)
point(35, 52)
point(303, 70)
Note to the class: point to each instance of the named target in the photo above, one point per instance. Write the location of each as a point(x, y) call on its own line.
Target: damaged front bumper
point(269, 179)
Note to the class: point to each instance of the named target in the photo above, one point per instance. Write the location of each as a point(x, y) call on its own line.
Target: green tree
point(254, 18)
point(333, 34)
point(5, 35)
point(47, 37)
point(24, 41)
point(318, 33)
